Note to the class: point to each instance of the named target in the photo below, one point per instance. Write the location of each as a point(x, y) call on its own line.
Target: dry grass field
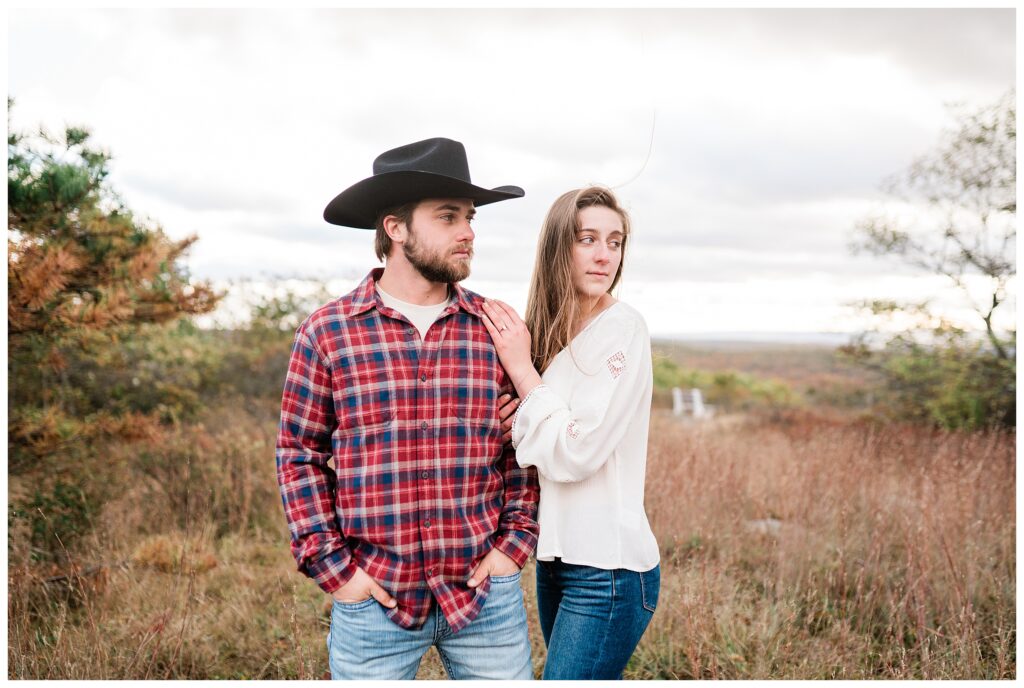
point(810, 548)
point(796, 546)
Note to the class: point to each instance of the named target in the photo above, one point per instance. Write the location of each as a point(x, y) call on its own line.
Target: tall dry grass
point(187, 573)
point(794, 547)
point(802, 547)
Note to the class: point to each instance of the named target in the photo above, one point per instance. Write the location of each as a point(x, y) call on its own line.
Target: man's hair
point(554, 306)
point(382, 244)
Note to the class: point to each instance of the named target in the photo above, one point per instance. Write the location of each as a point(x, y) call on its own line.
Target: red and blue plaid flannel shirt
point(390, 454)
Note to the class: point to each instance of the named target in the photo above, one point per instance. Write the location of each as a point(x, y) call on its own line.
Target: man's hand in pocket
point(496, 563)
point(361, 587)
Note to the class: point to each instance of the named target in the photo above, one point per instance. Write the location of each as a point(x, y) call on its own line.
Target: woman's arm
point(571, 443)
point(512, 342)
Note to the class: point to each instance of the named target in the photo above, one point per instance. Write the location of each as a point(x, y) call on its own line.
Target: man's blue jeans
point(365, 644)
point(592, 619)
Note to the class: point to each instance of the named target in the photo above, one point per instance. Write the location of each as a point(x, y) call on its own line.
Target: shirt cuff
point(332, 571)
point(517, 545)
point(544, 403)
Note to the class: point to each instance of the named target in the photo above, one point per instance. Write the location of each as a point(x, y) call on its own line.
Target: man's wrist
point(517, 547)
point(333, 571)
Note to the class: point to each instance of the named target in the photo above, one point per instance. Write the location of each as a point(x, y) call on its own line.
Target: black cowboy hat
point(433, 168)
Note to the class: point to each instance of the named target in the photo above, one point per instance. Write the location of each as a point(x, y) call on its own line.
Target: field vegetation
point(797, 545)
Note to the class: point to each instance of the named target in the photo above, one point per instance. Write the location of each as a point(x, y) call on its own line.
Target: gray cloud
point(969, 45)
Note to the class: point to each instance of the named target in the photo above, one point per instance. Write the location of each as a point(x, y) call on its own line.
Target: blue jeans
point(364, 644)
point(591, 618)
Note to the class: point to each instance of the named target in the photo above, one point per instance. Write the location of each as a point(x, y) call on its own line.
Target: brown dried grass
point(890, 554)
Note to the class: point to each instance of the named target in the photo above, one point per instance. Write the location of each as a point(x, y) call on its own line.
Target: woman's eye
point(616, 244)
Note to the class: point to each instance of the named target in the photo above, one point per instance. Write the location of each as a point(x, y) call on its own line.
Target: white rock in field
point(764, 526)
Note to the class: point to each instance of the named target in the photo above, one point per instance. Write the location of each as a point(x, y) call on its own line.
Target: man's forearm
point(517, 528)
point(307, 486)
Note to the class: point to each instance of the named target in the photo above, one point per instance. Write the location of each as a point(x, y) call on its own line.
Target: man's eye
point(447, 218)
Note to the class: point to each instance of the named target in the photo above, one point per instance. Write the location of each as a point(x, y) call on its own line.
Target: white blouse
point(585, 429)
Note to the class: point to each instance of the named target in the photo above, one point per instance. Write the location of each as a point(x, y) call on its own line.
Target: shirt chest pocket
point(467, 377)
point(473, 409)
point(366, 402)
point(477, 403)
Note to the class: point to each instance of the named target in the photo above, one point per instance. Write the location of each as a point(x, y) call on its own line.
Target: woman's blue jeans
point(592, 619)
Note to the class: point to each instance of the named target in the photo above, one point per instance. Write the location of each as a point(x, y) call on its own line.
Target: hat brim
point(358, 205)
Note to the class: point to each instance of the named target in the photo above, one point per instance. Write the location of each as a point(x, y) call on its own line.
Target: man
point(403, 499)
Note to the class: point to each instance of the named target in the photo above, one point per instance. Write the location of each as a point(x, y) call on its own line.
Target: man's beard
point(433, 266)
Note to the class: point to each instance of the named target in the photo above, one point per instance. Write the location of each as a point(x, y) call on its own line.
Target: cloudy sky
point(746, 143)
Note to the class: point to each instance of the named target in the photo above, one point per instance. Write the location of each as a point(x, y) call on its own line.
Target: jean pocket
point(354, 606)
point(507, 579)
point(650, 587)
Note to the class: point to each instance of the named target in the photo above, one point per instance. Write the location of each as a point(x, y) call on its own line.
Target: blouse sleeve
point(571, 444)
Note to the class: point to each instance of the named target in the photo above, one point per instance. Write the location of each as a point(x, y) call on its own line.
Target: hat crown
point(432, 168)
point(436, 156)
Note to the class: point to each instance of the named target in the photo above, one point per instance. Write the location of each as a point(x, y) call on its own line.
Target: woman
point(585, 381)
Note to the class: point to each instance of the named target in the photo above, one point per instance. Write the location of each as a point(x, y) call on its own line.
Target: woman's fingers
point(491, 329)
point(509, 313)
point(502, 313)
point(507, 410)
point(498, 317)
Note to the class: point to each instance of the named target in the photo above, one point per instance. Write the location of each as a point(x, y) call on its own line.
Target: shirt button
point(423, 377)
point(426, 475)
point(423, 426)
point(410, 331)
point(426, 524)
point(430, 572)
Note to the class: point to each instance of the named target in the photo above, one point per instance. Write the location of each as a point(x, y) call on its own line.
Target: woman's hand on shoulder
point(510, 336)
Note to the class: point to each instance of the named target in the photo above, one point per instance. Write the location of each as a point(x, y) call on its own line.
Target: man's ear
point(395, 229)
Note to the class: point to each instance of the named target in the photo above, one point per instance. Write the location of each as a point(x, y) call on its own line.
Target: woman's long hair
point(554, 311)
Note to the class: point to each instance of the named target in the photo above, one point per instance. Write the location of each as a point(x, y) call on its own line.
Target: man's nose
point(466, 232)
